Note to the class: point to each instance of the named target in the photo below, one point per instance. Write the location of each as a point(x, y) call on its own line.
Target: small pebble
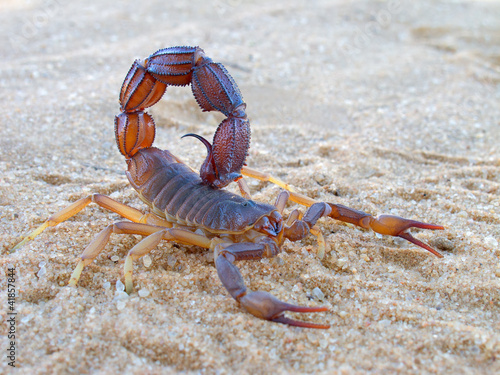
point(146, 260)
point(120, 304)
point(490, 240)
point(443, 243)
point(120, 295)
point(341, 262)
point(120, 287)
point(42, 272)
point(143, 293)
point(171, 260)
point(318, 294)
point(384, 322)
point(297, 288)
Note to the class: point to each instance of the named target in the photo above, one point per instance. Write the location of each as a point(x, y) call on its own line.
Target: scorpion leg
point(250, 172)
point(154, 235)
point(99, 242)
point(244, 189)
point(103, 201)
point(261, 304)
point(151, 241)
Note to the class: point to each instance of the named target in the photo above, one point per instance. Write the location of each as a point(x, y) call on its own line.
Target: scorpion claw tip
point(265, 306)
point(299, 323)
point(407, 236)
point(420, 225)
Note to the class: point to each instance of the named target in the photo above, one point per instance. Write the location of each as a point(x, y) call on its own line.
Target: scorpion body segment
point(134, 131)
point(178, 194)
point(191, 208)
point(174, 65)
point(214, 90)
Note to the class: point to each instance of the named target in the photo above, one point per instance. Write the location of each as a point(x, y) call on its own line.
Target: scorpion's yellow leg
point(103, 201)
point(295, 197)
point(99, 242)
point(244, 189)
point(151, 241)
point(154, 234)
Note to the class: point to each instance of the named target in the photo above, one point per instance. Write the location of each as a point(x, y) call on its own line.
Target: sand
point(386, 107)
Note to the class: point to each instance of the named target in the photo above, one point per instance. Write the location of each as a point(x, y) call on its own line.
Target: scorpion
point(192, 208)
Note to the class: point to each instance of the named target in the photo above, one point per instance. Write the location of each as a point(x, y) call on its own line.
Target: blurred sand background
point(388, 107)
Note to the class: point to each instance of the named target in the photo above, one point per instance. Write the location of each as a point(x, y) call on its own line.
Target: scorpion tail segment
point(265, 306)
point(174, 65)
point(208, 170)
point(213, 88)
point(140, 89)
point(230, 149)
point(134, 131)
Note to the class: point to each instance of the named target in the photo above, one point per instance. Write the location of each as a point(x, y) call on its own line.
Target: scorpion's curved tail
point(214, 90)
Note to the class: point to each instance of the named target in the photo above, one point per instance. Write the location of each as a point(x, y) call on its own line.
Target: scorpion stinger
point(208, 170)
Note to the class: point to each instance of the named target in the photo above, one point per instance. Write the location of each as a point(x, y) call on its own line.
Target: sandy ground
point(384, 107)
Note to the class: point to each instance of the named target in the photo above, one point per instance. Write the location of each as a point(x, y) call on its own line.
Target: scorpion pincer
point(191, 208)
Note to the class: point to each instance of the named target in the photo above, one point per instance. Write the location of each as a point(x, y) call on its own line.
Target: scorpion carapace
point(192, 209)
point(214, 90)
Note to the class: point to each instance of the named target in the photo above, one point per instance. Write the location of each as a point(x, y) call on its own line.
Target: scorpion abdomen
point(158, 176)
point(172, 189)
